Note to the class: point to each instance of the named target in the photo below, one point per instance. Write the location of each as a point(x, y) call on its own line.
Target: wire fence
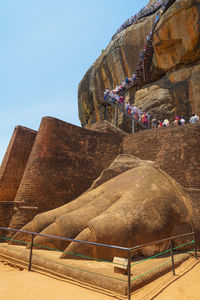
point(131, 276)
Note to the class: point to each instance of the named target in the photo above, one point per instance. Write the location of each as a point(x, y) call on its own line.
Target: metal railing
point(110, 101)
point(129, 251)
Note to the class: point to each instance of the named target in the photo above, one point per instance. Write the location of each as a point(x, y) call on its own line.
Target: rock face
point(107, 127)
point(176, 38)
point(174, 86)
point(132, 207)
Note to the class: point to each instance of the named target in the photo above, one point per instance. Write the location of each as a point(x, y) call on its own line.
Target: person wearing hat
point(176, 121)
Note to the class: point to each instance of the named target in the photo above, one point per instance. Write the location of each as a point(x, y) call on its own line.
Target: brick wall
point(14, 162)
point(175, 149)
point(64, 162)
point(6, 211)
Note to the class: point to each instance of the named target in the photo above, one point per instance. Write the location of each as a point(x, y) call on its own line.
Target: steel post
point(100, 112)
point(133, 126)
point(106, 112)
point(129, 275)
point(117, 114)
point(195, 245)
point(172, 256)
point(31, 251)
point(123, 123)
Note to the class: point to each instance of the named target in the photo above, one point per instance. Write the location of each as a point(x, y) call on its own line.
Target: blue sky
point(46, 48)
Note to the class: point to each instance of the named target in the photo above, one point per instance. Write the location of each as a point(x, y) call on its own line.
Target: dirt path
point(185, 285)
point(24, 285)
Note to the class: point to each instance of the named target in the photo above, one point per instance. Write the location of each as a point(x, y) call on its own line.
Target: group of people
point(131, 109)
point(178, 121)
point(138, 76)
point(145, 117)
point(149, 9)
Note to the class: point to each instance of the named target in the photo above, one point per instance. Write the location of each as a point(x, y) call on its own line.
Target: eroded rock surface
point(175, 74)
point(177, 93)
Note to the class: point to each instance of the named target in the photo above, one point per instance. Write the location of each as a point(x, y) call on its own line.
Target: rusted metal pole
point(100, 112)
point(129, 275)
point(172, 256)
point(133, 126)
point(31, 251)
point(117, 114)
point(195, 245)
point(106, 112)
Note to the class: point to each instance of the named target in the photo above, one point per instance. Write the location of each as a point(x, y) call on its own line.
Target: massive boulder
point(138, 203)
point(175, 71)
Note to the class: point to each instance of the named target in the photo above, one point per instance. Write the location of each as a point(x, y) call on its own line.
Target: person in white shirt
point(182, 120)
point(194, 119)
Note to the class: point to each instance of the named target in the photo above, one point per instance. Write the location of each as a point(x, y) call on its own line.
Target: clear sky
point(46, 48)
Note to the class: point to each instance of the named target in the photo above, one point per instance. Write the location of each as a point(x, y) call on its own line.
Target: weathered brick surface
point(64, 162)
point(6, 211)
point(12, 169)
point(175, 149)
point(14, 162)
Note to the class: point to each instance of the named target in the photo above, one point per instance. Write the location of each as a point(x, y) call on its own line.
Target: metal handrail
point(67, 239)
point(99, 244)
point(109, 100)
point(129, 250)
point(161, 241)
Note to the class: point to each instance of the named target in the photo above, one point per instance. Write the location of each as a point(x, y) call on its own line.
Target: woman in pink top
point(145, 120)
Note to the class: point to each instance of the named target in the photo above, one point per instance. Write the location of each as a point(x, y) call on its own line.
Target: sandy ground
point(24, 285)
point(185, 285)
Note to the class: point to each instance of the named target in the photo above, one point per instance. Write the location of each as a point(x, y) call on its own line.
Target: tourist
point(150, 8)
point(133, 110)
point(117, 97)
point(166, 123)
point(177, 121)
point(107, 91)
point(145, 120)
point(127, 106)
point(157, 18)
point(154, 124)
point(194, 119)
point(121, 100)
point(182, 120)
point(136, 115)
